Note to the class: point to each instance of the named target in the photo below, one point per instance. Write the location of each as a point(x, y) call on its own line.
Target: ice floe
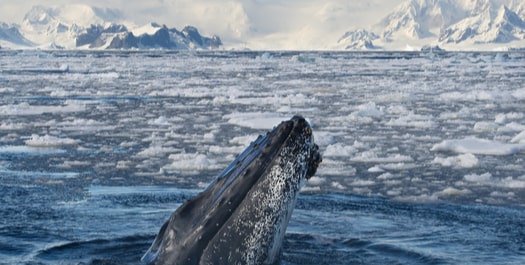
point(478, 146)
point(520, 138)
point(190, 163)
point(488, 180)
point(467, 160)
point(371, 156)
point(25, 108)
point(256, 120)
point(49, 141)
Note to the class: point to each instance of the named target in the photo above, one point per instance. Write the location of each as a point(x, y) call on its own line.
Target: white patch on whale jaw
point(276, 203)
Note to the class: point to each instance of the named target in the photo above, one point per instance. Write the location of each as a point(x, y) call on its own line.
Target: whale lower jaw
point(242, 216)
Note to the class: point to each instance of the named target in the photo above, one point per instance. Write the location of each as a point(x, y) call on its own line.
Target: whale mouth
point(196, 223)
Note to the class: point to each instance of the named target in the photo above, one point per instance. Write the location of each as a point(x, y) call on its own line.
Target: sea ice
point(519, 94)
point(243, 140)
point(255, 120)
point(190, 163)
point(520, 138)
point(488, 180)
point(315, 180)
point(483, 126)
point(450, 191)
point(371, 156)
point(367, 113)
point(412, 120)
point(478, 146)
point(49, 141)
point(467, 160)
point(26, 109)
point(339, 150)
point(337, 185)
point(507, 117)
point(155, 150)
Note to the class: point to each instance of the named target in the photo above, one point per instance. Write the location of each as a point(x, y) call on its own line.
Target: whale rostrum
point(242, 216)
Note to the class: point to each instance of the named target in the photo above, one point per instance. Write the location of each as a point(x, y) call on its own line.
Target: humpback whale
point(241, 217)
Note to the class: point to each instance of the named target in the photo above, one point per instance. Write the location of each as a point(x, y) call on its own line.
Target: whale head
point(242, 216)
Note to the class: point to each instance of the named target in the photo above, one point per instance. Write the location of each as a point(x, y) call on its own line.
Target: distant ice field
point(415, 127)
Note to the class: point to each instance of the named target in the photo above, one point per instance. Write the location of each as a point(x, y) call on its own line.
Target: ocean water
point(423, 154)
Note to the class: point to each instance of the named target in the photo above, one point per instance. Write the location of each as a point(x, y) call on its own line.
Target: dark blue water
point(97, 149)
point(115, 225)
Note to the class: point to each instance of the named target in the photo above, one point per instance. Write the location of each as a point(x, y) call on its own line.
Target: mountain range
point(86, 27)
point(450, 23)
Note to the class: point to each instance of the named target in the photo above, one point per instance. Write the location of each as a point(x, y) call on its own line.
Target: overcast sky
point(255, 22)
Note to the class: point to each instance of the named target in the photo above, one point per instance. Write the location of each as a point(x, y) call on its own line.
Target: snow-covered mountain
point(9, 34)
point(82, 26)
point(360, 39)
point(490, 26)
point(117, 36)
point(450, 23)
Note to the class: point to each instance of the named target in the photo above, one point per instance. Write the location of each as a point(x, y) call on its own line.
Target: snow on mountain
point(489, 26)
point(450, 22)
point(60, 25)
point(360, 39)
point(82, 26)
point(117, 37)
point(419, 19)
point(9, 34)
